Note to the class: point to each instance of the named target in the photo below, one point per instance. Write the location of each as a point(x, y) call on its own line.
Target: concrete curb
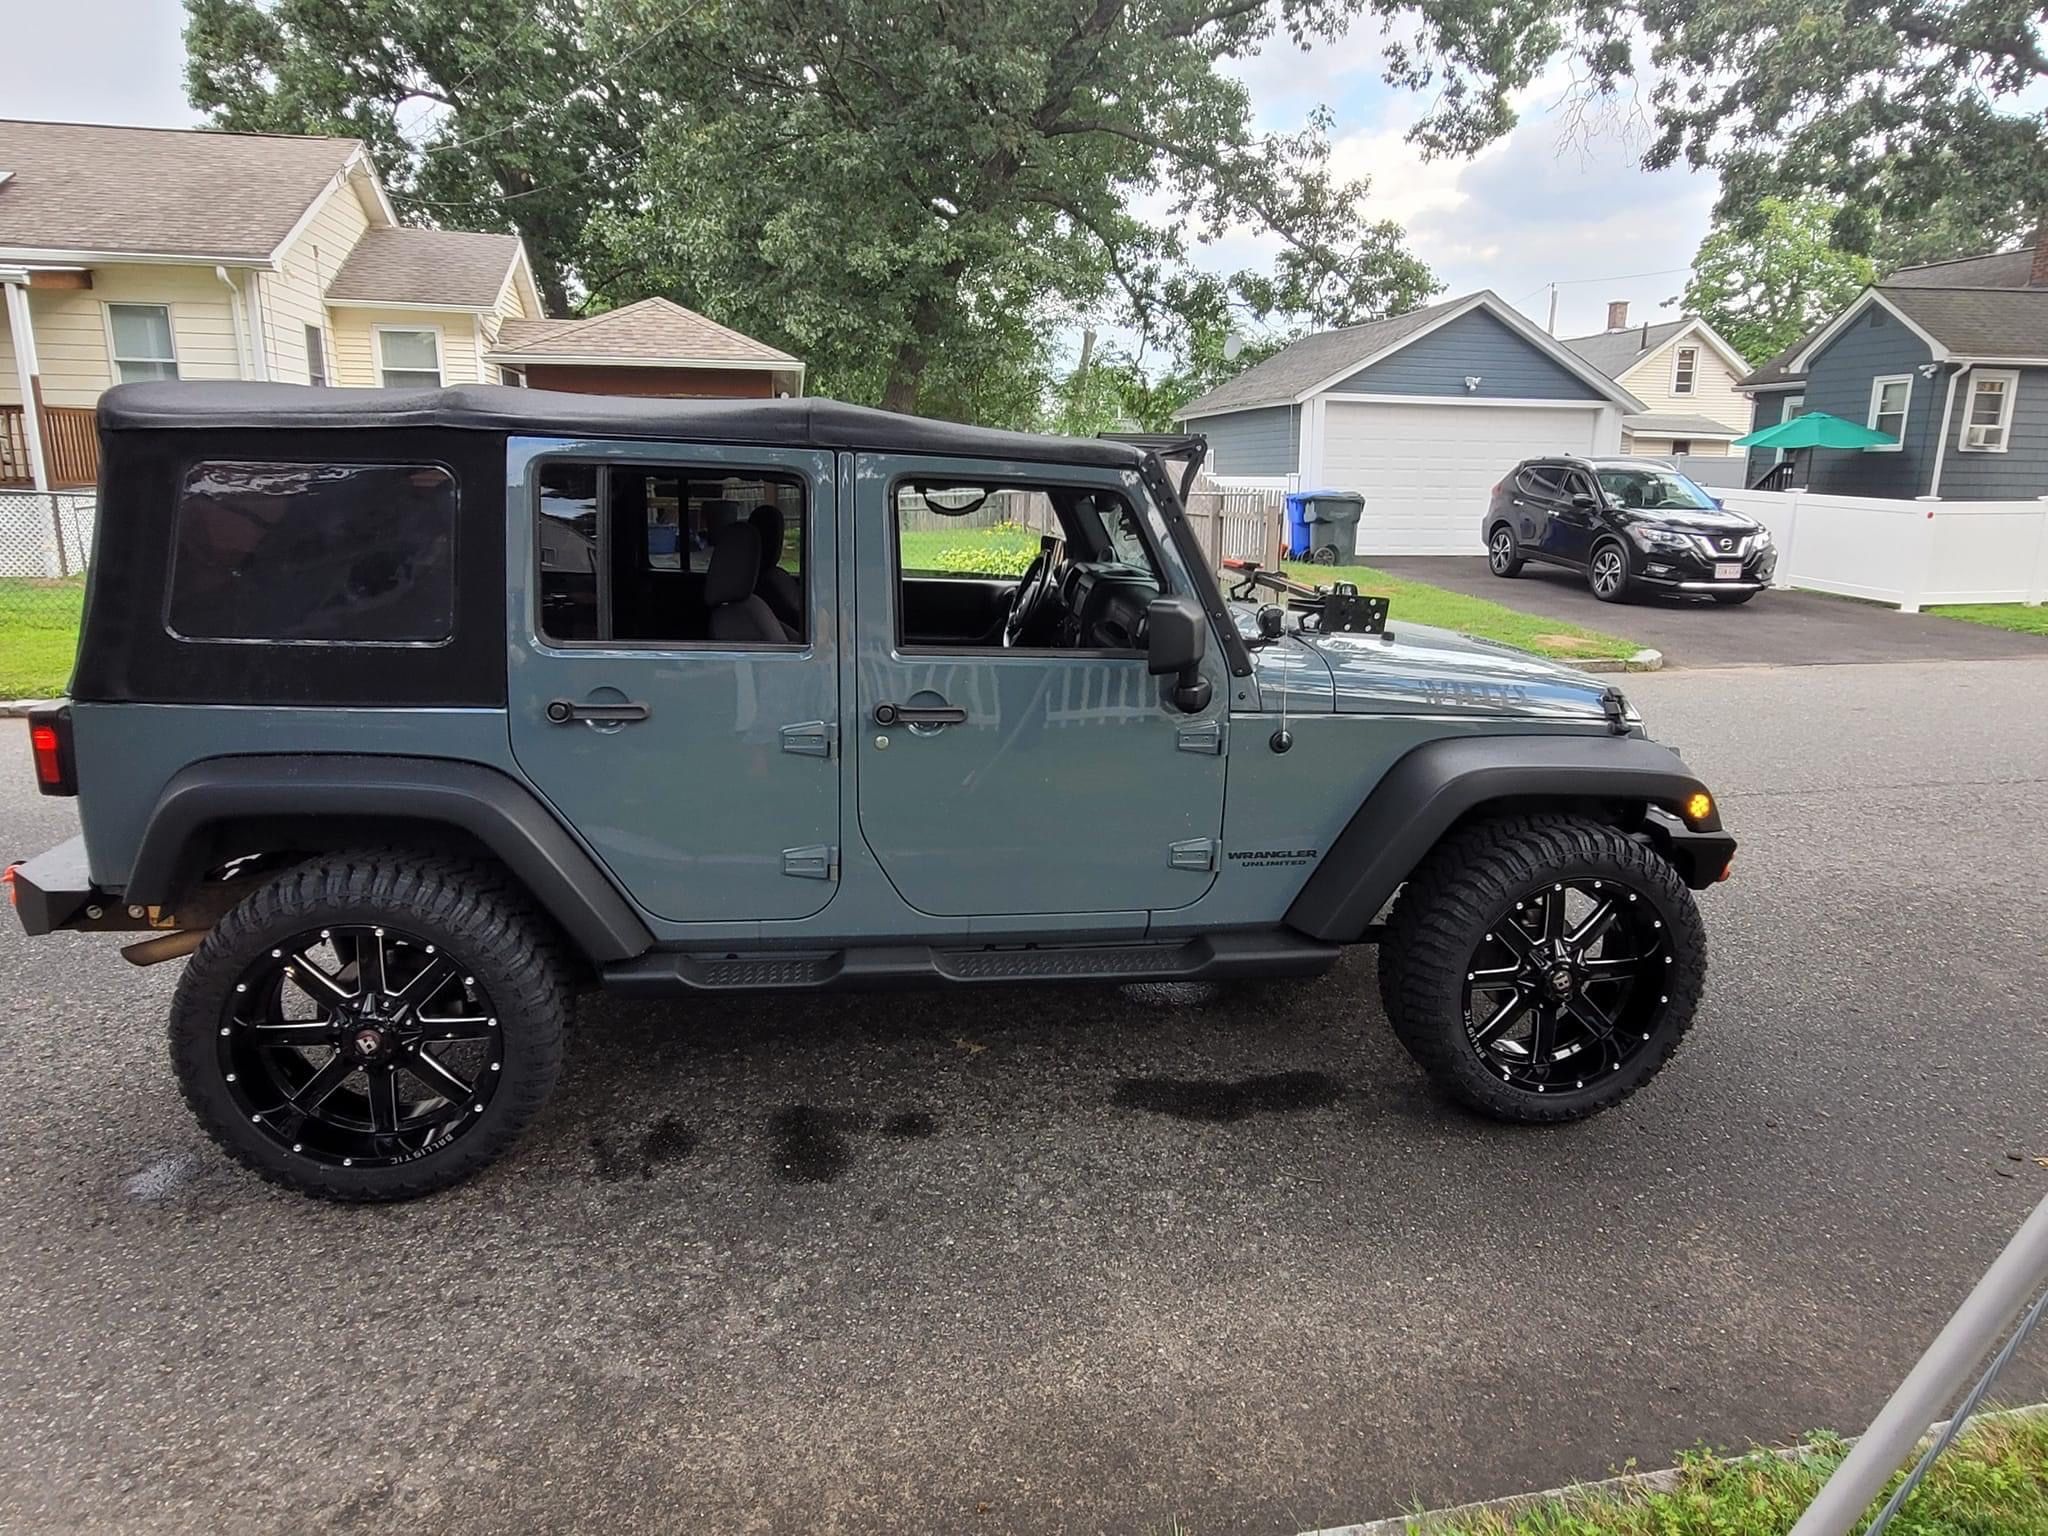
point(1642, 661)
point(1607, 1490)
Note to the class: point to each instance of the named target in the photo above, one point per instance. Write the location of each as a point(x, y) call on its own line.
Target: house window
point(1680, 445)
point(141, 337)
point(316, 355)
point(1794, 404)
point(1685, 368)
point(1987, 425)
point(408, 359)
point(1889, 397)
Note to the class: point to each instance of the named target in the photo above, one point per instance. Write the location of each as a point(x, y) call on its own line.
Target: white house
point(1684, 373)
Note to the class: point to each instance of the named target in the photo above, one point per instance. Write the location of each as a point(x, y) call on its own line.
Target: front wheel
point(371, 1026)
point(1543, 968)
point(1608, 574)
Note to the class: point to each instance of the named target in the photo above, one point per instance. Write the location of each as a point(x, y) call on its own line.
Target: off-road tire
point(1468, 884)
point(477, 916)
point(1503, 551)
point(1733, 599)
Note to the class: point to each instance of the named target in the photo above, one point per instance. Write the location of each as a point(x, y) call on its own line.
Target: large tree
point(913, 194)
point(1764, 283)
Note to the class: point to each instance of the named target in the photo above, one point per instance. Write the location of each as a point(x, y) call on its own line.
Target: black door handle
point(562, 712)
point(901, 714)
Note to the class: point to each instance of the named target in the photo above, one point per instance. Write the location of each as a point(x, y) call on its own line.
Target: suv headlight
point(1763, 538)
point(1658, 538)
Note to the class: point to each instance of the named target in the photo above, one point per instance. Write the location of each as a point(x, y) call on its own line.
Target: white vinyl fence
point(1910, 553)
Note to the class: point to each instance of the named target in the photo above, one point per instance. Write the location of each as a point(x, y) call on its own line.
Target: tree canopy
point(911, 194)
point(1764, 285)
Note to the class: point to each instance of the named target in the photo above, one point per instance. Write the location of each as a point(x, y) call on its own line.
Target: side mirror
point(1176, 640)
point(1583, 502)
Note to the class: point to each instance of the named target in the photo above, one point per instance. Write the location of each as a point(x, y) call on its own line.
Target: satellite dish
point(1232, 345)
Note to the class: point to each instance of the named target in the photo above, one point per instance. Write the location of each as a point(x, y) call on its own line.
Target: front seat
point(776, 587)
point(737, 615)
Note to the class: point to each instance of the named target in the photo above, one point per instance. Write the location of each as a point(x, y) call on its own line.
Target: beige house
point(170, 253)
point(1684, 374)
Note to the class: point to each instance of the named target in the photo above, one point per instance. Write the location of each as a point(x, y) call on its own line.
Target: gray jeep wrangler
point(406, 713)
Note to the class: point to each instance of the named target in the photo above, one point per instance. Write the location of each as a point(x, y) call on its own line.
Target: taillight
point(49, 741)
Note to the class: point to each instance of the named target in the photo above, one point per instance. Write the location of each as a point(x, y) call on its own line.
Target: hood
point(1414, 669)
point(1694, 519)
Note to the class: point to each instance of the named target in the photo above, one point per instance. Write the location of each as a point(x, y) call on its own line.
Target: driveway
point(1062, 1261)
point(1776, 628)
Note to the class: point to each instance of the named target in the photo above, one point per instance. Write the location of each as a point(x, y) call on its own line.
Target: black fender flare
point(495, 809)
point(1434, 786)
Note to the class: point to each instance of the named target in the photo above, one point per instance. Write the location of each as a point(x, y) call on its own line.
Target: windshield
point(1635, 485)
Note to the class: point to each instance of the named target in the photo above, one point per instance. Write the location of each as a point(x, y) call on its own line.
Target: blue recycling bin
point(1323, 525)
point(1297, 523)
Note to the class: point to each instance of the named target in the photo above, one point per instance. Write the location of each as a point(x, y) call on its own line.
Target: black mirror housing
point(1176, 640)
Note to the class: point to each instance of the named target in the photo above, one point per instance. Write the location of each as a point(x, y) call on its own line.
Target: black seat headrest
point(767, 522)
point(735, 563)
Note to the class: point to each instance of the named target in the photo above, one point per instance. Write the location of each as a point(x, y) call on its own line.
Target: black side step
point(1212, 957)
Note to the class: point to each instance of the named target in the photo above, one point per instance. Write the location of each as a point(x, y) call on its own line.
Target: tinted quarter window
point(1541, 480)
point(337, 554)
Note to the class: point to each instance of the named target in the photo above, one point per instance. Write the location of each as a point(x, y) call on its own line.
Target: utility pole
point(1552, 326)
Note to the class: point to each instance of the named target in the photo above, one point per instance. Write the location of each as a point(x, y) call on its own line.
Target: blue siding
point(1475, 344)
point(1838, 381)
point(2022, 470)
point(1265, 441)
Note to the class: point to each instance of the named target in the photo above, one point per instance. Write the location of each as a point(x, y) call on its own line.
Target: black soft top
point(224, 406)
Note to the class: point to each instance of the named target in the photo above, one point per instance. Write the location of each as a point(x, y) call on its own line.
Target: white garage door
point(1426, 471)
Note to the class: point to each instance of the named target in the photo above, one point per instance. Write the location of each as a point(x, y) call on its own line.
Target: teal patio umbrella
point(1816, 429)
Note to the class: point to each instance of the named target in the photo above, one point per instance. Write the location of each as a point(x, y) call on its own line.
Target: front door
point(1048, 774)
point(670, 694)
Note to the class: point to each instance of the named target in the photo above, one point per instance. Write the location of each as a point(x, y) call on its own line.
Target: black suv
point(1629, 524)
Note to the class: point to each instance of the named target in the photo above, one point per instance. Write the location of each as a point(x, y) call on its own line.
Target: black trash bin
point(1332, 518)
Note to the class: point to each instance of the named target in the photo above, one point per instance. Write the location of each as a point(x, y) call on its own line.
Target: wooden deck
point(71, 447)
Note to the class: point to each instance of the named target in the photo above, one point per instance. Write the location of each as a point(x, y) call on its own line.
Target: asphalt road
point(1774, 628)
point(1061, 1261)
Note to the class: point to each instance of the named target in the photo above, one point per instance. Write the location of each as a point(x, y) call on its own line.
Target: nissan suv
point(1631, 525)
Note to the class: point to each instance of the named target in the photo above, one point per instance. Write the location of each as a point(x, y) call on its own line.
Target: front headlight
point(1658, 538)
point(1763, 538)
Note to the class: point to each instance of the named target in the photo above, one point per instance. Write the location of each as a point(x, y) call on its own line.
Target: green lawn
point(2014, 616)
point(1992, 1482)
point(1006, 551)
point(38, 636)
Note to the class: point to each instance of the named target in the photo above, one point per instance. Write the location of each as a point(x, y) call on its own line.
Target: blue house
point(1420, 413)
point(1950, 358)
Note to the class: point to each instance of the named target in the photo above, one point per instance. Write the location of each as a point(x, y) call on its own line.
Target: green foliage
point(2017, 617)
point(1007, 549)
point(1765, 284)
point(1417, 602)
point(38, 636)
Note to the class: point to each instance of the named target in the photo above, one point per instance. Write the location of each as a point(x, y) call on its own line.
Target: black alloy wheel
point(1501, 558)
point(361, 1046)
point(1565, 989)
point(1608, 573)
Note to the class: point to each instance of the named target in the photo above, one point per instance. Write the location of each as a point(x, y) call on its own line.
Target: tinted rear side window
point(334, 554)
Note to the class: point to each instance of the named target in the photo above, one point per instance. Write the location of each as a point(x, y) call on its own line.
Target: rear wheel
point(1733, 599)
point(371, 1026)
point(1608, 574)
point(1503, 557)
point(1543, 968)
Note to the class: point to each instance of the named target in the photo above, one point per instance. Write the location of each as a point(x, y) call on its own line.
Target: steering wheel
point(1028, 599)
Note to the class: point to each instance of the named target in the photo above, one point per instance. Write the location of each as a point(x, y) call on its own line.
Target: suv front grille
point(1740, 546)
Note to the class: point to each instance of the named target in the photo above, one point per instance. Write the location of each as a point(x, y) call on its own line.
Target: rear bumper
point(54, 891)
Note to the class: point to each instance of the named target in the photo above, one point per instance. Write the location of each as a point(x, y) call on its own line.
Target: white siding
point(294, 297)
point(71, 330)
point(1714, 395)
point(511, 306)
point(355, 343)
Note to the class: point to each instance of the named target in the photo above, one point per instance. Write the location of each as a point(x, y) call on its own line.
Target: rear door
point(704, 774)
point(1059, 779)
point(1569, 536)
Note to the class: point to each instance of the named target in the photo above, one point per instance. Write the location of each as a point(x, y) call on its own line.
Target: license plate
point(1727, 570)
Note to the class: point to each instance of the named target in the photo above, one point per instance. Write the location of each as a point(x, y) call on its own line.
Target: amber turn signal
point(1699, 806)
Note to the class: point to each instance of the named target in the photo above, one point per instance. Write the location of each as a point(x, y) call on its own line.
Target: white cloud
point(130, 69)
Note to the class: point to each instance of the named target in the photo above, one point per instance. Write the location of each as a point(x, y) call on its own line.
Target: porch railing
point(71, 447)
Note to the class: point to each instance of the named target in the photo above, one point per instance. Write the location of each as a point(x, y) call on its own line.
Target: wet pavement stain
point(1219, 1101)
point(911, 1125)
point(805, 1145)
point(668, 1141)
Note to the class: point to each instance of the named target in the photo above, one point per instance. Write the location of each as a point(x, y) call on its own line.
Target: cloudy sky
point(1539, 207)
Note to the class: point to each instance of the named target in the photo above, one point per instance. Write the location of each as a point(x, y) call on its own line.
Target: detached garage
point(1420, 414)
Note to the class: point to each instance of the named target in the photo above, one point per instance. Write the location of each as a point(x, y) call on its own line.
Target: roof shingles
point(1302, 365)
point(452, 268)
point(652, 331)
point(86, 188)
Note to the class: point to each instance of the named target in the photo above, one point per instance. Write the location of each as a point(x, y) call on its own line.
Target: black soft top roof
point(198, 406)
